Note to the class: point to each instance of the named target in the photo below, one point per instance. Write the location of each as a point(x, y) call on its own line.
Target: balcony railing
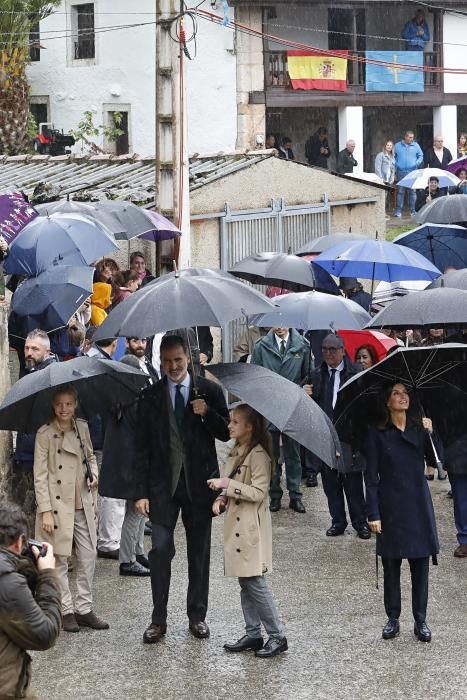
point(277, 74)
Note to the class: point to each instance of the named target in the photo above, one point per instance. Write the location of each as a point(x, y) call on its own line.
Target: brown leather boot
point(69, 623)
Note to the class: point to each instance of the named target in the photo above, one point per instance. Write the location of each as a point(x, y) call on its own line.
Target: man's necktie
point(282, 349)
point(328, 409)
point(179, 407)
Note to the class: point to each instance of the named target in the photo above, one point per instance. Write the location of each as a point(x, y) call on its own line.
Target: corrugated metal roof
point(122, 177)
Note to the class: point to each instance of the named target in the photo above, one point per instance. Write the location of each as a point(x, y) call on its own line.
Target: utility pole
point(172, 180)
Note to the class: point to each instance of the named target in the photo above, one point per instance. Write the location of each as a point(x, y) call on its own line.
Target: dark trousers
point(310, 464)
point(335, 486)
point(419, 569)
point(198, 540)
point(459, 496)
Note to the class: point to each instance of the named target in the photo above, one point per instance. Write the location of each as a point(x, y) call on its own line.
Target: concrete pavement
point(333, 614)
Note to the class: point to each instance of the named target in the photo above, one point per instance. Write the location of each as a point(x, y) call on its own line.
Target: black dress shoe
point(144, 561)
point(154, 633)
point(364, 533)
point(246, 643)
point(199, 629)
point(275, 505)
point(273, 647)
point(391, 629)
point(133, 569)
point(422, 631)
point(113, 554)
point(297, 505)
point(335, 530)
point(312, 480)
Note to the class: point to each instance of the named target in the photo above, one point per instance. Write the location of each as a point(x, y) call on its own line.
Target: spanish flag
point(313, 71)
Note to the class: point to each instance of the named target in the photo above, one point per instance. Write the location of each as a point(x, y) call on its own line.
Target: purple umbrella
point(457, 164)
point(15, 213)
point(164, 230)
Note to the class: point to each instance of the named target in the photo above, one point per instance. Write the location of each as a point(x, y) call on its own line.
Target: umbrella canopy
point(49, 300)
point(163, 229)
point(89, 209)
point(60, 239)
point(444, 210)
point(432, 308)
point(15, 214)
point(322, 243)
point(418, 179)
point(99, 383)
point(282, 270)
point(378, 260)
point(191, 297)
point(355, 339)
point(455, 165)
point(455, 279)
point(133, 220)
point(310, 311)
point(295, 414)
point(437, 375)
point(444, 244)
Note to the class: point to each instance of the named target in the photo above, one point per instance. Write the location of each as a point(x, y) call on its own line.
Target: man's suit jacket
point(153, 467)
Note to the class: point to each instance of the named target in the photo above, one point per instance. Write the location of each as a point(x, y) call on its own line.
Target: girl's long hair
point(259, 433)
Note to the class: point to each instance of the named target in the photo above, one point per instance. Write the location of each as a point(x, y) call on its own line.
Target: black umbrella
point(433, 308)
point(286, 271)
point(284, 404)
point(436, 375)
point(455, 279)
point(49, 300)
point(192, 297)
point(444, 210)
point(321, 244)
point(99, 383)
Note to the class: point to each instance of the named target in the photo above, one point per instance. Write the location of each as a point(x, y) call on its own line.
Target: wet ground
point(333, 613)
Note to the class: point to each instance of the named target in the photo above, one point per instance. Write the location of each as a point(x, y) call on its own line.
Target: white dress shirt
point(185, 386)
point(279, 340)
point(337, 380)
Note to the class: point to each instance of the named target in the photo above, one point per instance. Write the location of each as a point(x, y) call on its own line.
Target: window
point(84, 37)
point(39, 111)
point(122, 144)
point(34, 43)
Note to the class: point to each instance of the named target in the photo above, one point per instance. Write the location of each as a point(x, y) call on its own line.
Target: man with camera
point(29, 601)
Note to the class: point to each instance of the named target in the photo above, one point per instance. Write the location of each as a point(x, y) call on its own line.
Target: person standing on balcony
point(345, 159)
point(408, 156)
point(317, 149)
point(416, 32)
point(438, 156)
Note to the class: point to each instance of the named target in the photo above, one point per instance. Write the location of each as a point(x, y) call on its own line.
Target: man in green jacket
point(29, 603)
point(286, 352)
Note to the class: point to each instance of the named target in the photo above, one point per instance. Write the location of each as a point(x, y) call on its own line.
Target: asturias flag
point(312, 71)
point(392, 77)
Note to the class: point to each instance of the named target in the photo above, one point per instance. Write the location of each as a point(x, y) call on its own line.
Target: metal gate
point(276, 229)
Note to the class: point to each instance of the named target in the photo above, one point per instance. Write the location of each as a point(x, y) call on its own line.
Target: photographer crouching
point(29, 601)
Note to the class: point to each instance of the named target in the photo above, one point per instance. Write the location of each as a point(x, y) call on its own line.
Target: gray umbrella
point(192, 297)
point(100, 384)
point(455, 279)
point(312, 311)
point(284, 404)
point(89, 209)
point(321, 244)
point(444, 210)
point(433, 308)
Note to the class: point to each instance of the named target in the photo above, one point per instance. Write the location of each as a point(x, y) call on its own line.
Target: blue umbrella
point(378, 260)
point(59, 239)
point(445, 245)
point(49, 300)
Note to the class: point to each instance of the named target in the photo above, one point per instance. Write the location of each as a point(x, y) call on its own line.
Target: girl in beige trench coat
point(248, 531)
point(66, 504)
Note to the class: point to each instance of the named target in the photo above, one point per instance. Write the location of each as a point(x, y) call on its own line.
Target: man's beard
point(138, 353)
point(30, 363)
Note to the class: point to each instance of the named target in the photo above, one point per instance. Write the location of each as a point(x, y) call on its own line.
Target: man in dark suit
point(325, 382)
point(137, 348)
point(176, 455)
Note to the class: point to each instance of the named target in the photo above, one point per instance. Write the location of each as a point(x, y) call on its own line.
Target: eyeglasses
point(327, 348)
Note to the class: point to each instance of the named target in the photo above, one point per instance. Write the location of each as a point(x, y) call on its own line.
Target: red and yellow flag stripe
point(314, 71)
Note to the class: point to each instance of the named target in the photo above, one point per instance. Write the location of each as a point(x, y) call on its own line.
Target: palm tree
point(17, 17)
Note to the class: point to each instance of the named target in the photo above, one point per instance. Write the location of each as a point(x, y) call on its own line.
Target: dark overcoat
point(117, 476)
point(397, 493)
point(152, 461)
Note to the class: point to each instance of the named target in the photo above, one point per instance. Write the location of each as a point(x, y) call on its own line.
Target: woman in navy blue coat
point(399, 506)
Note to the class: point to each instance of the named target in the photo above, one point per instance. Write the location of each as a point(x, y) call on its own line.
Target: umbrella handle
point(442, 474)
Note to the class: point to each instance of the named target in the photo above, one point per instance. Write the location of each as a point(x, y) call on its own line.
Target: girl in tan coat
point(248, 531)
point(66, 504)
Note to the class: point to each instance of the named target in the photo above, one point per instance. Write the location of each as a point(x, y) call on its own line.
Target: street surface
point(326, 592)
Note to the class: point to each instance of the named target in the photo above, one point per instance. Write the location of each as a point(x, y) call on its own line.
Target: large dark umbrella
point(286, 271)
point(15, 214)
point(436, 376)
point(456, 279)
point(433, 308)
point(61, 239)
point(444, 210)
point(284, 404)
point(444, 244)
point(321, 244)
point(99, 383)
point(49, 300)
point(192, 297)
